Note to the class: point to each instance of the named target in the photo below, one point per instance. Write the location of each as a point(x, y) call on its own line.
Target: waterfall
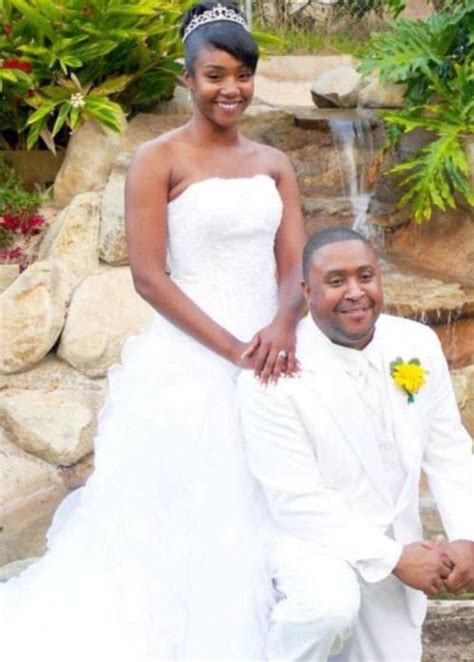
point(353, 138)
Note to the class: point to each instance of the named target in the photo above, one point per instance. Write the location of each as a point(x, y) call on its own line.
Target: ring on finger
point(282, 354)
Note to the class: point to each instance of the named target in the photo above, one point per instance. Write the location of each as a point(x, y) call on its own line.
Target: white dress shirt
point(366, 368)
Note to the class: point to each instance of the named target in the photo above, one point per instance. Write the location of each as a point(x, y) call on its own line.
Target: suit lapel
point(337, 391)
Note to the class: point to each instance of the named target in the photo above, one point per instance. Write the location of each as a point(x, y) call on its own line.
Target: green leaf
point(111, 86)
point(44, 110)
point(61, 118)
point(35, 131)
point(9, 75)
point(70, 61)
point(36, 18)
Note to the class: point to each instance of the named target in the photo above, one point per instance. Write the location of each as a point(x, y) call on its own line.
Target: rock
point(145, 126)
point(374, 94)
point(426, 299)
point(113, 246)
point(444, 245)
point(88, 163)
point(15, 568)
point(321, 212)
point(337, 88)
point(463, 383)
point(74, 236)
point(32, 313)
point(53, 374)
point(48, 425)
point(448, 632)
point(8, 273)
point(104, 312)
point(457, 338)
point(30, 491)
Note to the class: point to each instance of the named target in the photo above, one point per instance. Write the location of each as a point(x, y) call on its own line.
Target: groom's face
point(344, 292)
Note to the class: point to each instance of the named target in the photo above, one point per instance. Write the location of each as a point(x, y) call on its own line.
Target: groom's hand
point(423, 567)
point(461, 554)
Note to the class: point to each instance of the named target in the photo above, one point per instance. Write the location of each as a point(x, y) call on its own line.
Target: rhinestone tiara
point(217, 13)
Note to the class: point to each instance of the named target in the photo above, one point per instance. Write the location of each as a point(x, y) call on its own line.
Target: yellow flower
point(409, 376)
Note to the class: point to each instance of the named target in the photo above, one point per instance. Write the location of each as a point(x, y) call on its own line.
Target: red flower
point(18, 64)
point(7, 30)
point(10, 222)
point(32, 224)
point(11, 254)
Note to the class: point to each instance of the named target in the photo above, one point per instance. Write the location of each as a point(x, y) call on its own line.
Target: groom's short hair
point(328, 236)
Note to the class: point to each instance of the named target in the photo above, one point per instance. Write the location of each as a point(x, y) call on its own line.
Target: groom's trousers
point(325, 609)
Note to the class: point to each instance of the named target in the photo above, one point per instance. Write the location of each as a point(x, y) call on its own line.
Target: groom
point(338, 451)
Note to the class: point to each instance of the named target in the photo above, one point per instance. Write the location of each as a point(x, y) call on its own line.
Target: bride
point(163, 558)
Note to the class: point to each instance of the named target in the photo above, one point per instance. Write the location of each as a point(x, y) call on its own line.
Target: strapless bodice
point(221, 247)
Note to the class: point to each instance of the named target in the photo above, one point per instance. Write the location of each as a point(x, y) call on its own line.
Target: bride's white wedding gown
point(163, 556)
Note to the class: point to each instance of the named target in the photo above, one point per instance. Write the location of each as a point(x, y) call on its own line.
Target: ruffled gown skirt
point(163, 558)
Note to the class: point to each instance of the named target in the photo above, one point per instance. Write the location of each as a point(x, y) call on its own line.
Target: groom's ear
point(305, 290)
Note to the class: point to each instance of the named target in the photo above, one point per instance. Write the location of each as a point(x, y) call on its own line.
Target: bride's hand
point(272, 351)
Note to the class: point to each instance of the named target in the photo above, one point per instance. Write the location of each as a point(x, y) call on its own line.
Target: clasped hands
point(271, 351)
point(433, 565)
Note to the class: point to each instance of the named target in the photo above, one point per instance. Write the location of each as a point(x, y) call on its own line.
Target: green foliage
point(359, 8)
point(435, 61)
point(19, 220)
point(63, 62)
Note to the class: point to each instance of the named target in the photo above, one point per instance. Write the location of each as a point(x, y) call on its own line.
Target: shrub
point(19, 217)
point(435, 61)
point(63, 62)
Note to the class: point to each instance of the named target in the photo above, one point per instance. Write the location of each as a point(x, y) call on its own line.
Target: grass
point(301, 41)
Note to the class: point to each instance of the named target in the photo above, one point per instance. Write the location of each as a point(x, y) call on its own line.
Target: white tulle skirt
point(163, 555)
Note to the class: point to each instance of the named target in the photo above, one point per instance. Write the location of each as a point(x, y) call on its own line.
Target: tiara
point(217, 13)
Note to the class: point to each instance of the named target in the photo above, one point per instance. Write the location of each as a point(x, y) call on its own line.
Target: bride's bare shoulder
point(159, 154)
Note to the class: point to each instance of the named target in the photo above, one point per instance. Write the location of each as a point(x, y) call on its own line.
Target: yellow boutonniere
point(410, 376)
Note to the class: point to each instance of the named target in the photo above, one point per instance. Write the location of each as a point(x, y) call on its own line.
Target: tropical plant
point(64, 62)
point(435, 62)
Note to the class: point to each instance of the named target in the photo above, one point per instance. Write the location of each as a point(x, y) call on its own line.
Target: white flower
point(77, 100)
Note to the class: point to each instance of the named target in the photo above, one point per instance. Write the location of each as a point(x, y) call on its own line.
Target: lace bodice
point(221, 248)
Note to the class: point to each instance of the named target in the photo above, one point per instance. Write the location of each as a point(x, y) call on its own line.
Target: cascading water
point(353, 138)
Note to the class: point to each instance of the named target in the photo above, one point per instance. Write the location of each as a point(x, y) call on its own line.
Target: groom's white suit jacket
point(312, 444)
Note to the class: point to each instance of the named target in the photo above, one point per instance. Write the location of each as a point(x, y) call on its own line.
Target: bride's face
point(222, 86)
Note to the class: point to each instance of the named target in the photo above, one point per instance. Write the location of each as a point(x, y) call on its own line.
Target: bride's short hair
point(222, 34)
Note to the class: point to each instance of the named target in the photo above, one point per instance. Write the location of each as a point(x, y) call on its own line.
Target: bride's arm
point(146, 196)
point(290, 240)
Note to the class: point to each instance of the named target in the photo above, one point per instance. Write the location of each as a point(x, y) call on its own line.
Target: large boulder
point(113, 246)
point(49, 425)
point(337, 88)
point(448, 632)
point(32, 313)
point(463, 383)
point(426, 299)
point(8, 273)
point(457, 338)
point(104, 312)
point(30, 491)
point(444, 245)
point(73, 237)
point(374, 94)
point(90, 156)
point(54, 374)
